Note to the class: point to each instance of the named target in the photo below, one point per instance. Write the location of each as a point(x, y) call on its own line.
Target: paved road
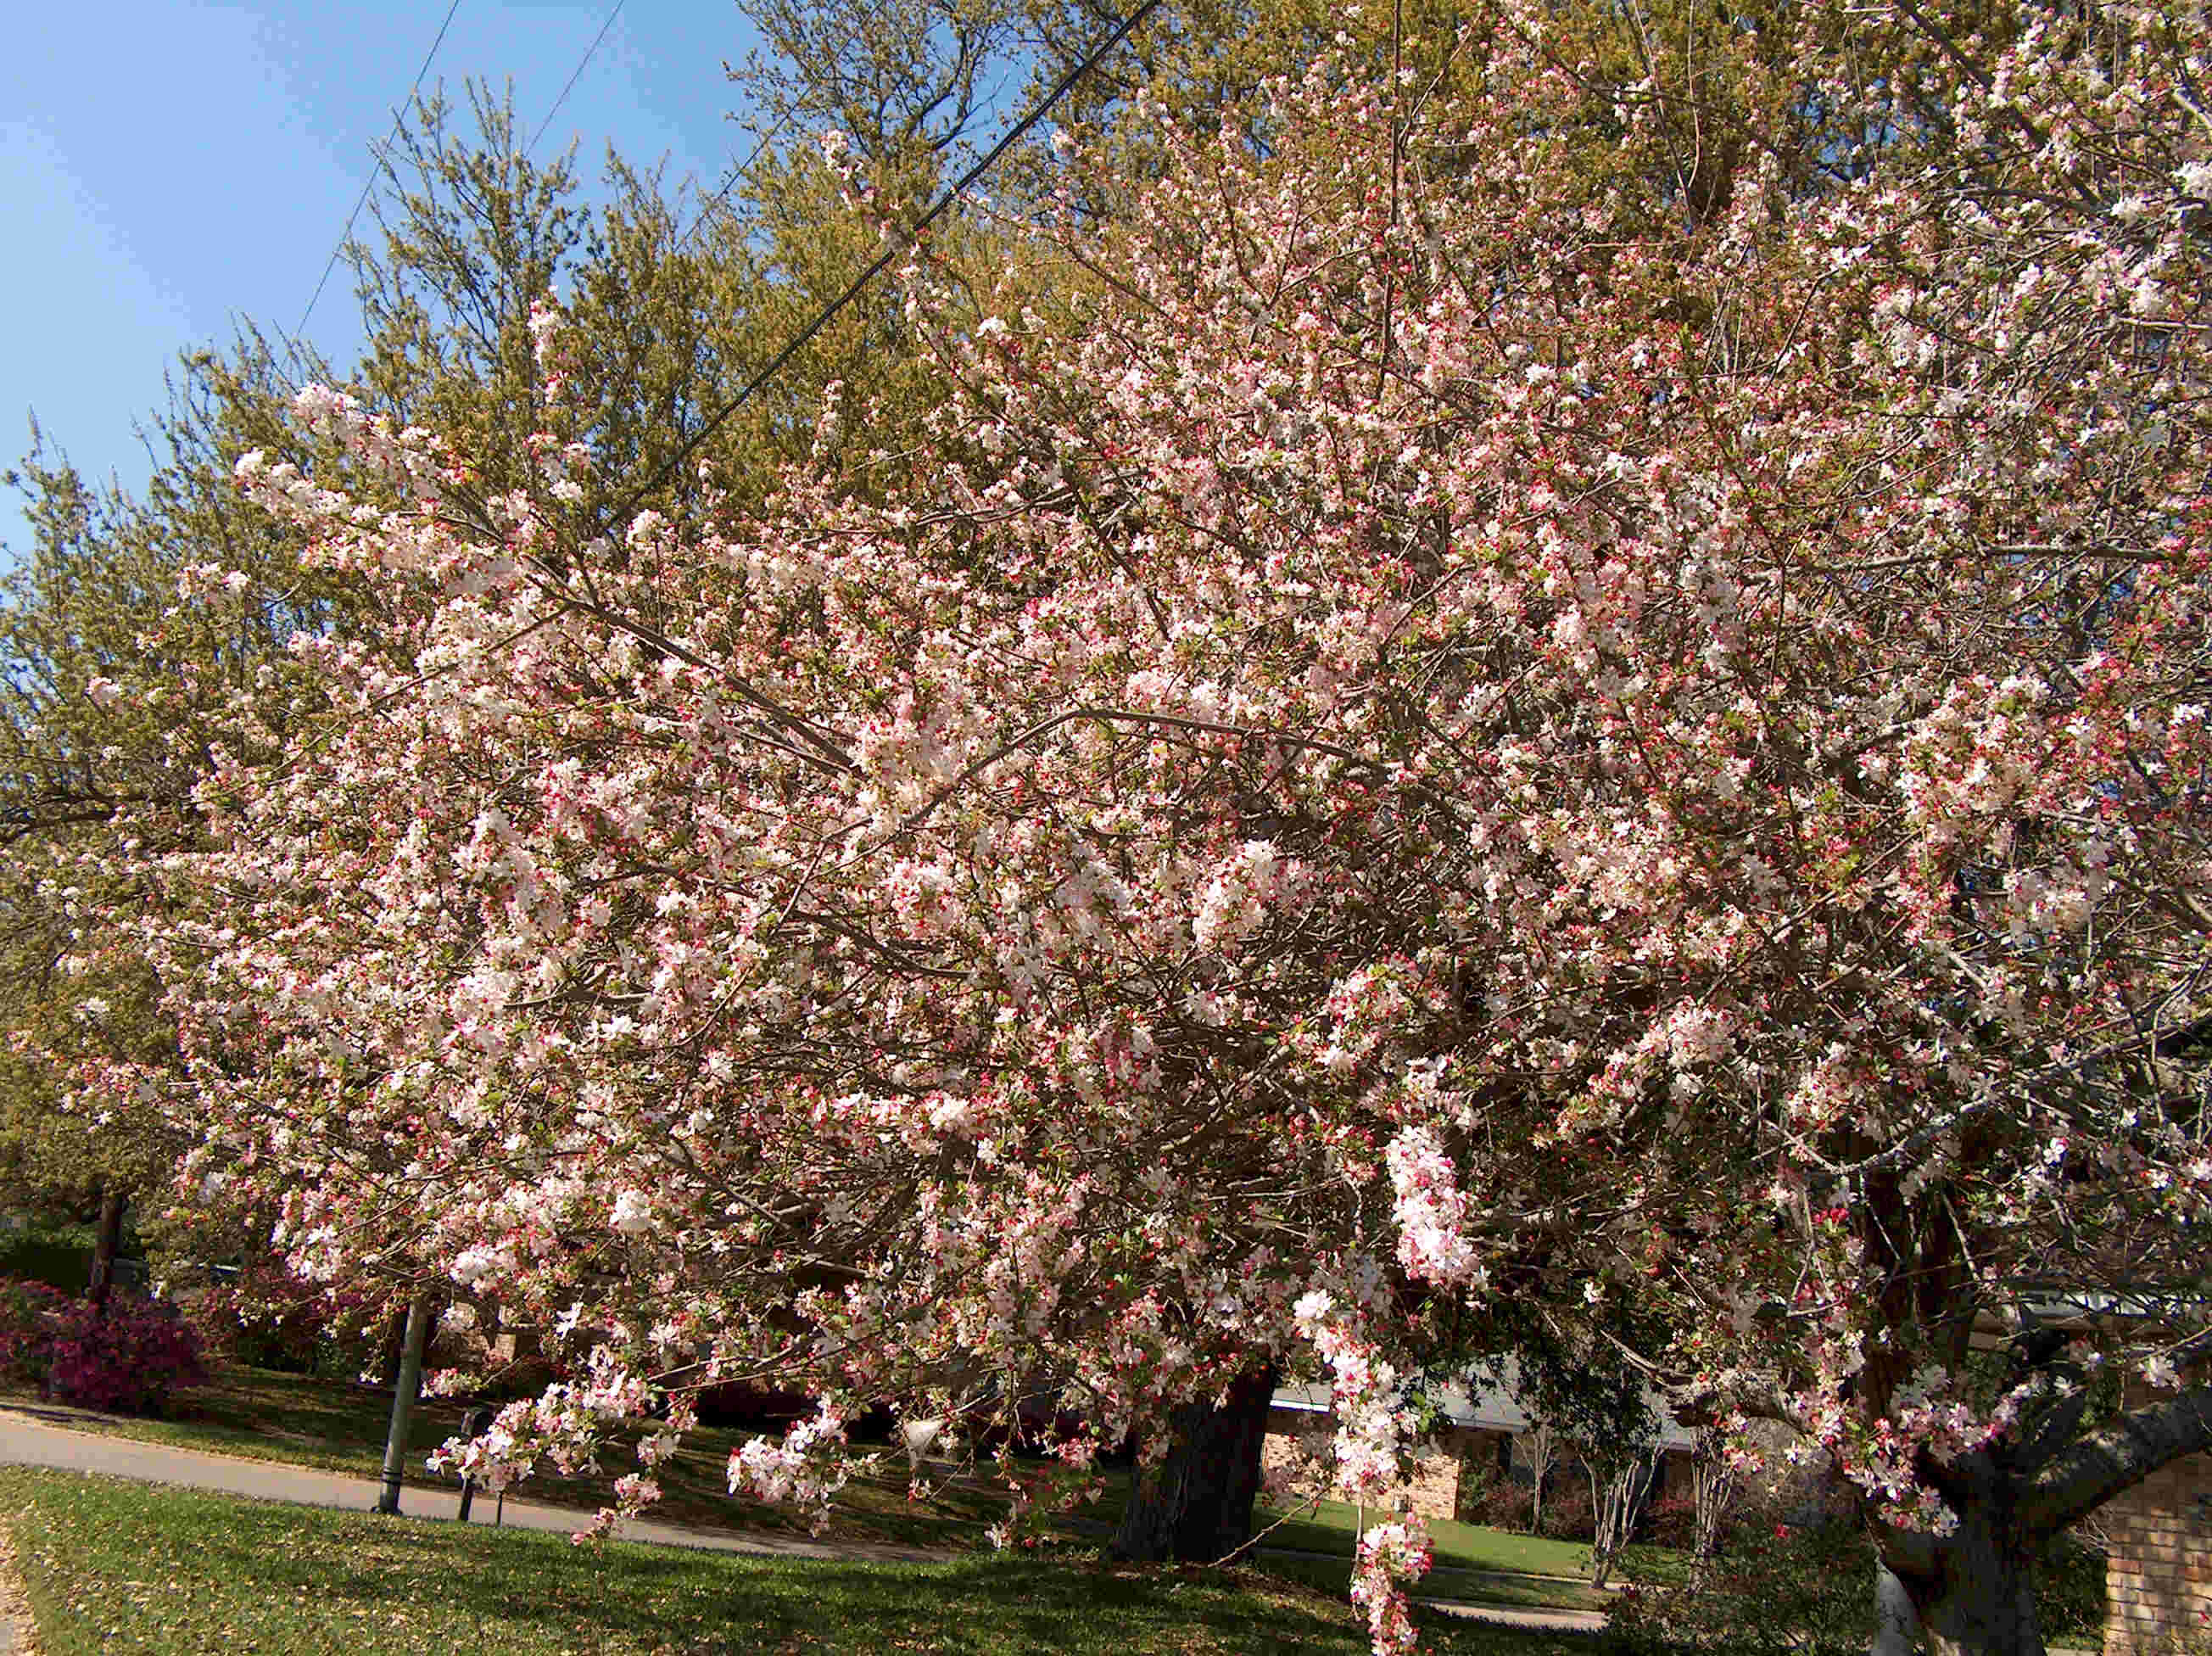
point(26, 1441)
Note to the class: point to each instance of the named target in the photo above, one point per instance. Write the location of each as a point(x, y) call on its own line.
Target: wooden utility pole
point(403, 1388)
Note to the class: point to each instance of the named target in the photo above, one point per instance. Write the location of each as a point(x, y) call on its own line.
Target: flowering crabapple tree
point(1450, 740)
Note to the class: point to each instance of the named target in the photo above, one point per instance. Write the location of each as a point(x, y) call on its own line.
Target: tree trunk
point(106, 1242)
point(1617, 1492)
point(1896, 1623)
point(1195, 1506)
point(1713, 1486)
point(1543, 1450)
point(395, 1347)
point(1974, 1589)
point(1980, 1599)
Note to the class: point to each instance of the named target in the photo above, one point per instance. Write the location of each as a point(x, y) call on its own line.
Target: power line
point(731, 182)
point(399, 116)
point(1067, 81)
point(590, 51)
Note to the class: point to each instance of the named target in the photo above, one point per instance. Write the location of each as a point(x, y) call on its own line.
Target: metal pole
point(472, 1426)
point(403, 1388)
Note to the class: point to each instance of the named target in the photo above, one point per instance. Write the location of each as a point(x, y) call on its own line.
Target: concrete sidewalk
point(1514, 1615)
point(27, 1441)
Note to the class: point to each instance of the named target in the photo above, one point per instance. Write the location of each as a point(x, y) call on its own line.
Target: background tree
point(1594, 1403)
point(118, 692)
point(1538, 1449)
point(1713, 1490)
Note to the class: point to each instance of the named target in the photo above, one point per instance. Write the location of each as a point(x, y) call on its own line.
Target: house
point(1481, 1423)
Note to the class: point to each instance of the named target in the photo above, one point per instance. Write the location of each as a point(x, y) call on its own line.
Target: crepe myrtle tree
point(1592, 1398)
point(1442, 746)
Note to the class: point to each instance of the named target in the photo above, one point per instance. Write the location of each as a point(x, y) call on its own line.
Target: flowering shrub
point(1671, 1521)
point(128, 1359)
point(1568, 1514)
point(805, 1469)
point(29, 1311)
point(1389, 1553)
point(1426, 687)
point(268, 1317)
point(1503, 1505)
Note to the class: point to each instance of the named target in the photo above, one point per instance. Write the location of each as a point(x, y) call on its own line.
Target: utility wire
point(590, 51)
point(399, 116)
point(899, 246)
point(639, 347)
point(708, 207)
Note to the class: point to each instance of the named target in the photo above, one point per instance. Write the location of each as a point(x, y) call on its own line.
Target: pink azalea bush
point(130, 1358)
point(29, 1312)
point(268, 1318)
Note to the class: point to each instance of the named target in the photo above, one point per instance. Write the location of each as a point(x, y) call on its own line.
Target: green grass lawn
point(1333, 1577)
point(114, 1566)
point(337, 1427)
point(1332, 1527)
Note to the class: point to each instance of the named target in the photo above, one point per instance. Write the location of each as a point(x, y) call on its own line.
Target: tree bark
point(1973, 1589)
point(2088, 1472)
point(1543, 1450)
point(395, 1347)
point(1983, 1603)
point(1713, 1485)
point(1897, 1624)
point(106, 1242)
point(1617, 1489)
point(1195, 1506)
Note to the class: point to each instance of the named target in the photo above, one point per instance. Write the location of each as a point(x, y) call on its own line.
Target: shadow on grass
point(338, 1426)
point(114, 1566)
point(52, 1414)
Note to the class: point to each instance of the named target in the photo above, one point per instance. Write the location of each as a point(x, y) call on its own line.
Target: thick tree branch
point(2106, 1463)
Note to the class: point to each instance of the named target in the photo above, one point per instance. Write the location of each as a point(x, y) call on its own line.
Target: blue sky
point(167, 165)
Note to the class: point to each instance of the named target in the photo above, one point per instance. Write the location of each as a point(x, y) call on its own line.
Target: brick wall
point(1432, 1491)
point(2157, 1575)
